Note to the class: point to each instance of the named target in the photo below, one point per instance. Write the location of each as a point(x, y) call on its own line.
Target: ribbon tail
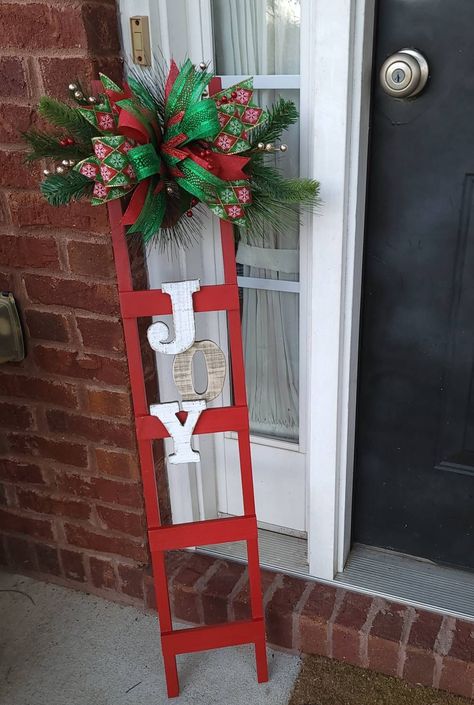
point(229, 166)
point(144, 161)
point(136, 204)
point(172, 76)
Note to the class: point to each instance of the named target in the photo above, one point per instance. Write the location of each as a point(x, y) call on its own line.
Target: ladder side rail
point(137, 384)
point(240, 397)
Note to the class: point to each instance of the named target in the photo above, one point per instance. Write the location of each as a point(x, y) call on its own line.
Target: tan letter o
point(215, 366)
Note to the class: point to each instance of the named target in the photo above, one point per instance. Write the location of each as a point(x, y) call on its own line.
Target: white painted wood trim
point(199, 31)
point(270, 82)
point(269, 284)
point(339, 71)
point(268, 441)
point(356, 206)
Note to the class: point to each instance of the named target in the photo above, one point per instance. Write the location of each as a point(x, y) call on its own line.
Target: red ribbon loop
point(132, 128)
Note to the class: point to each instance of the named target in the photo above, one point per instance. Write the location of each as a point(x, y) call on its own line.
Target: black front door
point(414, 472)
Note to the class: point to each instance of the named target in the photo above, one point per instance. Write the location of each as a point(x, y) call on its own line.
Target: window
point(261, 38)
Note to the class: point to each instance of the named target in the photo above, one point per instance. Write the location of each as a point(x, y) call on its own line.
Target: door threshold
point(277, 552)
point(415, 581)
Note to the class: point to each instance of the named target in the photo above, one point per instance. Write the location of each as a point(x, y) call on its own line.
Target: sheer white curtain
point(262, 37)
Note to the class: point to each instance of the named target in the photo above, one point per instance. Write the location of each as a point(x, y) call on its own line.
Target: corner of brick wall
point(71, 507)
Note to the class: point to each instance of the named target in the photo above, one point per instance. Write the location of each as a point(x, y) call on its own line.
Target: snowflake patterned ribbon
point(237, 115)
point(109, 167)
point(199, 146)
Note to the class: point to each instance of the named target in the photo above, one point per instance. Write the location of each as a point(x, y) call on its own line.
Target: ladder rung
point(203, 533)
point(227, 418)
point(153, 302)
point(185, 641)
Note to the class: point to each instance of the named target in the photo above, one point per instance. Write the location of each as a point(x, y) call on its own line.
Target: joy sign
point(184, 347)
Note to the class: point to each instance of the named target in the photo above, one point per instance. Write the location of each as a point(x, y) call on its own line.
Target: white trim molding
point(338, 73)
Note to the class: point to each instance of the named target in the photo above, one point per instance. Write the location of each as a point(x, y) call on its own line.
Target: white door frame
point(340, 72)
point(336, 43)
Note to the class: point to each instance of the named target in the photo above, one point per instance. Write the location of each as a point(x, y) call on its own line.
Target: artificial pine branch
point(152, 83)
point(184, 233)
point(44, 145)
point(300, 190)
point(60, 189)
point(176, 231)
point(142, 94)
point(67, 118)
point(277, 202)
point(270, 213)
point(269, 180)
point(280, 117)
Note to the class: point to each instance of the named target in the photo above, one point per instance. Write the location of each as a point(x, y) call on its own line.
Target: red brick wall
point(70, 496)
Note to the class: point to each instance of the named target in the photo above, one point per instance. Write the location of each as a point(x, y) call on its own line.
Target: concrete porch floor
point(62, 647)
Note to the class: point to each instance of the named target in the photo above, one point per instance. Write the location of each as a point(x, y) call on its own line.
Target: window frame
point(336, 42)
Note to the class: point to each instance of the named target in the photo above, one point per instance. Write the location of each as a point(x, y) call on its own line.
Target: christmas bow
point(195, 150)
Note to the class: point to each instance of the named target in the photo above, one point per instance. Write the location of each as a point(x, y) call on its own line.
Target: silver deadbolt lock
point(404, 74)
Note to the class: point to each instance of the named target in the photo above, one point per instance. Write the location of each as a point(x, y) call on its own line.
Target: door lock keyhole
point(398, 76)
point(404, 74)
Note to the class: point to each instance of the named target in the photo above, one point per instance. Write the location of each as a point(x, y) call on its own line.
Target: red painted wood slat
point(154, 302)
point(226, 418)
point(213, 637)
point(202, 533)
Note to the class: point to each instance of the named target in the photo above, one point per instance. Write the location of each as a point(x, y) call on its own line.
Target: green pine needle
point(142, 94)
point(67, 118)
point(150, 83)
point(268, 180)
point(277, 202)
point(183, 234)
point(280, 116)
point(45, 145)
point(299, 190)
point(60, 189)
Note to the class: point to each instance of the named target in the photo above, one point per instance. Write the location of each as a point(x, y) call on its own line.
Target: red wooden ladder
point(134, 304)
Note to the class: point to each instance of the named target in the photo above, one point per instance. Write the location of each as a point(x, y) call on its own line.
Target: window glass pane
point(270, 319)
point(289, 163)
point(270, 324)
point(256, 36)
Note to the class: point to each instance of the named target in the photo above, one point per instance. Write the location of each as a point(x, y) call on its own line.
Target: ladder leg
point(164, 613)
point(257, 610)
point(161, 590)
point(255, 584)
point(171, 672)
point(261, 659)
